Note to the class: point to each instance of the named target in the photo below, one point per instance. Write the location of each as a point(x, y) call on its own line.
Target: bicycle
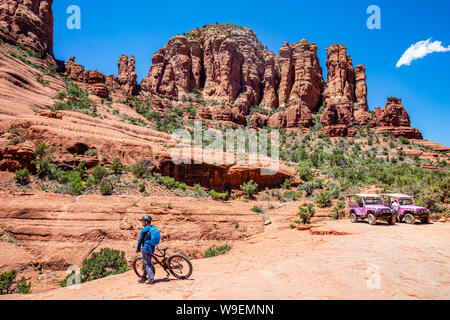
point(178, 265)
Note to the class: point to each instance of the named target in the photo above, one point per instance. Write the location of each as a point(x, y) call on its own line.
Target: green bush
point(249, 188)
point(323, 199)
point(339, 210)
point(102, 264)
point(142, 187)
point(141, 168)
point(213, 252)
point(8, 285)
point(218, 196)
point(116, 166)
point(257, 209)
point(73, 182)
point(286, 184)
point(106, 188)
point(99, 173)
point(291, 195)
point(22, 177)
point(198, 192)
point(75, 99)
point(305, 173)
point(42, 161)
point(310, 186)
point(305, 214)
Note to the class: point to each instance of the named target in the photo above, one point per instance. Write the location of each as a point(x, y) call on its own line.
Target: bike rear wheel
point(180, 266)
point(138, 266)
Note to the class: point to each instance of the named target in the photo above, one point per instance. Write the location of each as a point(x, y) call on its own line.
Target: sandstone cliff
point(29, 23)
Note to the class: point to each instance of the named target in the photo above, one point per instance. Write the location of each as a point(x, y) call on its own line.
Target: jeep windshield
point(406, 202)
point(373, 201)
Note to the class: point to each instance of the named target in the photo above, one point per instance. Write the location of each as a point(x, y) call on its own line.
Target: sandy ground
point(369, 262)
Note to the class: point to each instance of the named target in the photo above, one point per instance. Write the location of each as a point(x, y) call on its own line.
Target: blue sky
point(140, 28)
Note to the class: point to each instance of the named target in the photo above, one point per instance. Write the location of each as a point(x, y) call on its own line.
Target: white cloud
point(420, 50)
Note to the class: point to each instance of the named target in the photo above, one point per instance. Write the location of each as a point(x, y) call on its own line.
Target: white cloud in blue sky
point(419, 50)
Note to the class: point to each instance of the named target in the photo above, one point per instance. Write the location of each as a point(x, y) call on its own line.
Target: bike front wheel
point(138, 267)
point(180, 266)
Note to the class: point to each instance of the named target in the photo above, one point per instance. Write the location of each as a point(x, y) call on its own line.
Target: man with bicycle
point(145, 243)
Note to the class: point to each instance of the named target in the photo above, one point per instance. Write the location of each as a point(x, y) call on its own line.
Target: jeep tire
point(371, 219)
point(392, 219)
point(409, 218)
point(353, 218)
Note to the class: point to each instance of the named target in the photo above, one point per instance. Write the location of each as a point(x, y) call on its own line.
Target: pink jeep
point(407, 210)
point(370, 207)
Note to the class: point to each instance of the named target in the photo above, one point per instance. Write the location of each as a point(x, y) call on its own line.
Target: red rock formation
point(361, 88)
point(270, 82)
point(13, 158)
point(127, 76)
point(393, 114)
point(28, 22)
point(95, 80)
point(339, 95)
point(301, 83)
point(227, 62)
point(394, 120)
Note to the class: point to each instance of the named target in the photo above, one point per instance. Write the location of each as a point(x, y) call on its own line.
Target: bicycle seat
point(165, 249)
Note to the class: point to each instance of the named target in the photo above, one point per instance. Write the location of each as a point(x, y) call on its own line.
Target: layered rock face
point(127, 76)
point(345, 96)
point(96, 81)
point(339, 94)
point(301, 85)
point(226, 62)
point(231, 67)
point(394, 119)
point(28, 22)
point(100, 85)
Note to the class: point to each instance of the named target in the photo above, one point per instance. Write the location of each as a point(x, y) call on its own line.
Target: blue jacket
point(144, 240)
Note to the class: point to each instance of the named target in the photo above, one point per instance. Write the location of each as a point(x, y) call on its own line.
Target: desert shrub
point(334, 190)
point(22, 177)
point(99, 173)
point(73, 182)
point(106, 188)
point(218, 196)
point(305, 173)
point(249, 188)
point(75, 99)
point(9, 285)
point(214, 252)
point(41, 160)
point(198, 191)
point(339, 210)
point(286, 184)
point(102, 264)
point(323, 199)
point(141, 168)
point(257, 209)
point(142, 187)
point(291, 195)
point(403, 140)
point(316, 158)
point(92, 153)
point(310, 186)
point(82, 170)
point(171, 183)
point(305, 214)
point(116, 166)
